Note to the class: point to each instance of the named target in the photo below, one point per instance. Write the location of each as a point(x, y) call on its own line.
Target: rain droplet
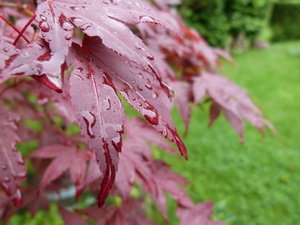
point(44, 18)
point(164, 131)
point(146, 19)
point(167, 89)
point(85, 26)
point(44, 26)
point(148, 86)
point(67, 26)
point(6, 49)
point(139, 88)
point(6, 179)
point(17, 198)
point(107, 104)
point(139, 46)
point(133, 98)
point(6, 189)
point(79, 69)
point(133, 81)
point(90, 121)
point(151, 57)
point(22, 175)
point(4, 167)
point(154, 95)
point(150, 114)
point(75, 8)
point(21, 162)
point(68, 37)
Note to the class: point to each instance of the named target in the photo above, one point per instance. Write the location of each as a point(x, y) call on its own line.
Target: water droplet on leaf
point(67, 26)
point(168, 89)
point(21, 162)
point(148, 86)
point(4, 167)
point(107, 104)
point(6, 49)
point(44, 18)
point(150, 114)
point(44, 26)
point(139, 88)
point(151, 57)
point(68, 37)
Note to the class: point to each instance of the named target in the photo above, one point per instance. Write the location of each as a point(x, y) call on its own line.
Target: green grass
point(257, 183)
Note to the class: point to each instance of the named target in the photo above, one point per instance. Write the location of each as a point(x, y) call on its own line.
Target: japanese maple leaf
point(231, 99)
point(127, 214)
point(13, 169)
point(197, 214)
point(97, 76)
point(66, 158)
point(71, 218)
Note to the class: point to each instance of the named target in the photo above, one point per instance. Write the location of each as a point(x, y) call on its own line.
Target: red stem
point(13, 27)
point(23, 30)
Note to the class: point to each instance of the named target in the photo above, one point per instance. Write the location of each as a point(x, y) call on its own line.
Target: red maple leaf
point(13, 168)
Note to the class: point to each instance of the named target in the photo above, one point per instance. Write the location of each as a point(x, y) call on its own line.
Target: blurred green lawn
point(257, 183)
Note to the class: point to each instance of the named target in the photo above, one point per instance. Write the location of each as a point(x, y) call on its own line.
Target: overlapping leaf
point(231, 99)
point(12, 166)
point(198, 214)
point(65, 158)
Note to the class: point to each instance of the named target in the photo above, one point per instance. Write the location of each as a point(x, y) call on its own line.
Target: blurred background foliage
point(240, 24)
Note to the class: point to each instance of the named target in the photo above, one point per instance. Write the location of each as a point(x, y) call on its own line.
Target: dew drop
point(154, 95)
point(133, 81)
point(164, 131)
point(85, 26)
point(168, 89)
point(150, 114)
point(6, 179)
point(75, 8)
point(139, 88)
point(21, 162)
point(133, 98)
point(44, 26)
point(4, 167)
point(44, 18)
point(146, 19)
point(139, 46)
point(151, 57)
point(67, 26)
point(148, 86)
point(6, 49)
point(22, 175)
point(17, 198)
point(79, 69)
point(76, 20)
point(68, 37)
point(107, 104)
point(90, 121)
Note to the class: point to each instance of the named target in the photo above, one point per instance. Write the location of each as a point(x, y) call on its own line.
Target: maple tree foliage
point(67, 62)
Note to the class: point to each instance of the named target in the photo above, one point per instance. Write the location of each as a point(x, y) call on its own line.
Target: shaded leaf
point(71, 218)
point(13, 169)
point(65, 158)
point(100, 115)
